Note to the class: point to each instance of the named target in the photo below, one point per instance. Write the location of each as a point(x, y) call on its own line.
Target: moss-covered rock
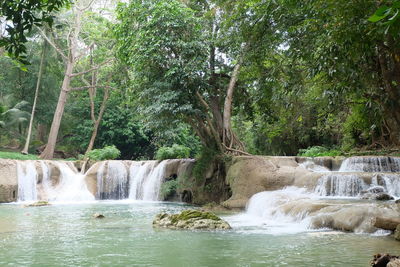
point(191, 220)
point(38, 204)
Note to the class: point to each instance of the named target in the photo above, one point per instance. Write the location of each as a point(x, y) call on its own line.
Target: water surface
point(67, 235)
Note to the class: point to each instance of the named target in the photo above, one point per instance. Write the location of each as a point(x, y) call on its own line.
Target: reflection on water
point(67, 235)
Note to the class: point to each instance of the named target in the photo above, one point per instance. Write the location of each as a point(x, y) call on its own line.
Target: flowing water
point(67, 235)
point(286, 227)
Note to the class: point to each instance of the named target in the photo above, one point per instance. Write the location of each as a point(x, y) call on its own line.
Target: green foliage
point(388, 16)
point(168, 188)
point(21, 16)
point(204, 161)
point(319, 151)
point(17, 156)
point(173, 152)
point(106, 153)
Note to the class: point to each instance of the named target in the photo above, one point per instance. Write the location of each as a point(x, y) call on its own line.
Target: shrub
point(318, 151)
point(168, 189)
point(108, 152)
point(173, 152)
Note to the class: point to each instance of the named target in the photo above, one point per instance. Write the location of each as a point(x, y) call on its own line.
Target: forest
point(157, 79)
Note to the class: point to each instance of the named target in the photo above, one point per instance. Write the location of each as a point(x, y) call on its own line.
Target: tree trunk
point(48, 152)
point(97, 122)
point(41, 132)
point(28, 137)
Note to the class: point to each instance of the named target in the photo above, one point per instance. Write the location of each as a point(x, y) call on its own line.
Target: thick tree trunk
point(48, 152)
point(28, 137)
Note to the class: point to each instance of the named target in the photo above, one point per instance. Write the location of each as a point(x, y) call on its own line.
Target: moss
point(39, 204)
point(191, 214)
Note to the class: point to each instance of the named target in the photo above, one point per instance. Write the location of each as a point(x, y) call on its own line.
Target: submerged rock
point(191, 220)
point(38, 204)
point(98, 216)
point(385, 260)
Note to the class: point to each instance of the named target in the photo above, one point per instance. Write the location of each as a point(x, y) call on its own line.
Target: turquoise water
point(67, 235)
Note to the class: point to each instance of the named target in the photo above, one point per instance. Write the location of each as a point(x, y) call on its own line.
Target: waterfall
point(371, 164)
point(72, 185)
point(389, 182)
point(152, 185)
point(314, 166)
point(340, 185)
point(138, 172)
point(146, 180)
point(112, 180)
point(27, 179)
point(280, 211)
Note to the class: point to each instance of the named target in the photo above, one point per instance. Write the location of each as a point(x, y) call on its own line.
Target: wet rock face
point(377, 196)
point(190, 220)
point(8, 181)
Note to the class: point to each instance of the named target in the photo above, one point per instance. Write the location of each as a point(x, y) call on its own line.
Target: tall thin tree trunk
point(28, 137)
point(48, 152)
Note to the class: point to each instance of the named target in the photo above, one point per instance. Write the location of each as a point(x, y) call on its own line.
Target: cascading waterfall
point(340, 185)
point(27, 180)
point(61, 181)
point(370, 164)
point(152, 185)
point(112, 180)
point(349, 180)
point(138, 172)
point(72, 185)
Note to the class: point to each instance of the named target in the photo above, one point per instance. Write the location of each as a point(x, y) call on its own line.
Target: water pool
point(67, 235)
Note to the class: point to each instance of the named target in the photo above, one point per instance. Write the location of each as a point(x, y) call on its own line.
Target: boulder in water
point(38, 204)
point(385, 260)
point(98, 216)
point(191, 220)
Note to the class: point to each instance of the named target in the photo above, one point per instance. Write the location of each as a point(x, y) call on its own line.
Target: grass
point(16, 155)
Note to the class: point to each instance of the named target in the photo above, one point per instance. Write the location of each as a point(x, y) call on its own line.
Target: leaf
point(380, 14)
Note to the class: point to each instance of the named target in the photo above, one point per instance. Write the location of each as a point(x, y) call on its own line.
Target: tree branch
point(52, 44)
point(90, 70)
point(89, 87)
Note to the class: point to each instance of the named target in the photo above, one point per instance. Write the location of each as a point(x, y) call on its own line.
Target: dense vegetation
point(163, 79)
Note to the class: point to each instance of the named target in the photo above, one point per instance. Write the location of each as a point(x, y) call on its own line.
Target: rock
point(384, 260)
point(98, 216)
point(190, 220)
point(377, 196)
point(397, 232)
point(8, 180)
point(397, 201)
point(249, 175)
point(394, 263)
point(38, 204)
point(386, 223)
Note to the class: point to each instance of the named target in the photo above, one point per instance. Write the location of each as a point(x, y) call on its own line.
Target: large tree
point(181, 67)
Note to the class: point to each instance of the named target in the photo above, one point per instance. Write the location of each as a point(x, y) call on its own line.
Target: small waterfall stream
point(112, 180)
point(27, 179)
